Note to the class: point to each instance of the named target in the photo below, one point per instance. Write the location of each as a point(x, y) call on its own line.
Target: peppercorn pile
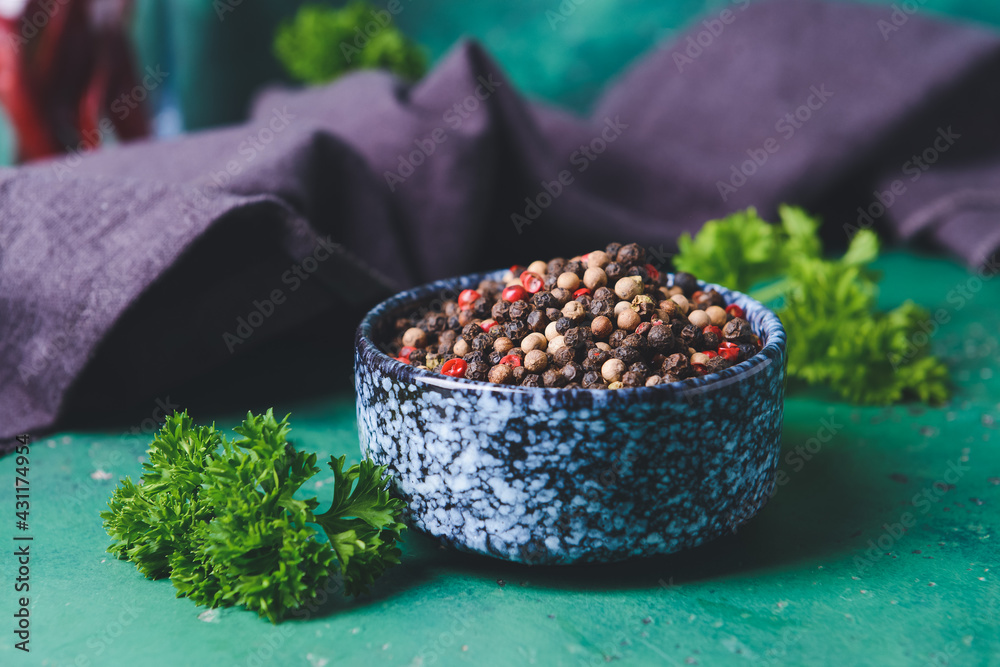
point(605, 320)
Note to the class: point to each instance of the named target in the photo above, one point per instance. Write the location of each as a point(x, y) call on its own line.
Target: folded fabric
point(157, 261)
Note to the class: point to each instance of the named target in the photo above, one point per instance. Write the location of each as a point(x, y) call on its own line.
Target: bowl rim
point(772, 352)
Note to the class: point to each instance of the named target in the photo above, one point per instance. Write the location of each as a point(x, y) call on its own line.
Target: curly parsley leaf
point(221, 518)
point(836, 334)
point(321, 43)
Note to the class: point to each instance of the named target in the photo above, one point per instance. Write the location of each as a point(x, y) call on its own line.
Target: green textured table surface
point(801, 583)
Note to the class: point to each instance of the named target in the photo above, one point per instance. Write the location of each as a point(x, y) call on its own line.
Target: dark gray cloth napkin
point(145, 265)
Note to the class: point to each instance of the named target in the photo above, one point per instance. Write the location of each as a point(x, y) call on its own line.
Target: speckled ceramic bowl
point(549, 476)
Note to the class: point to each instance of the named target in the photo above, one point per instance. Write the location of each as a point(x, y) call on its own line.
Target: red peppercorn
point(643, 327)
point(405, 352)
point(580, 292)
point(711, 328)
point(698, 293)
point(487, 325)
point(654, 274)
point(454, 367)
point(513, 293)
point(710, 353)
point(467, 297)
point(734, 310)
point(730, 353)
point(402, 360)
point(700, 368)
point(517, 269)
point(511, 360)
point(532, 282)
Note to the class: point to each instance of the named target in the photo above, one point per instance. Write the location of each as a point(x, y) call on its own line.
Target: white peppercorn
point(612, 370)
point(628, 288)
point(699, 318)
point(536, 361)
point(534, 341)
point(414, 337)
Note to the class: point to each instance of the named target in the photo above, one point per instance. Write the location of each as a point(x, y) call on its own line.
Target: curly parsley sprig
point(220, 518)
point(836, 334)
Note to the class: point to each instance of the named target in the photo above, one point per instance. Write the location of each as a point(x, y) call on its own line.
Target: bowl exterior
point(551, 476)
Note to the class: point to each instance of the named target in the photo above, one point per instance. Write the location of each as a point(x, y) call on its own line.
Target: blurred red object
point(62, 64)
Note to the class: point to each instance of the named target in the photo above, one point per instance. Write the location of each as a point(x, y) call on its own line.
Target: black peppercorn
point(470, 331)
point(552, 314)
point(574, 267)
point(515, 330)
point(636, 341)
point(595, 359)
point(482, 342)
point(602, 308)
point(418, 357)
point(690, 336)
point(640, 367)
point(494, 357)
point(577, 337)
point(543, 300)
point(519, 310)
point(673, 363)
point(660, 338)
point(477, 370)
point(593, 380)
point(631, 254)
point(531, 380)
point(737, 330)
point(627, 355)
point(639, 271)
point(632, 379)
point(605, 294)
point(549, 282)
point(710, 340)
point(612, 249)
point(476, 356)
point(716, 364)
point(555, 266)
point(747, 350)
point(616, 337)
point(563, 356)
point(614, 271)
point(537, 321)
point(687, 282)
point(519, 372)
point(573, 372)
point(553, 378)
point(453, 323)
point(499, 311)
point(563, 324)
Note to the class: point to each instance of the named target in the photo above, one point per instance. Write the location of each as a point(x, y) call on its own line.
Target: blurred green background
point(219, 53)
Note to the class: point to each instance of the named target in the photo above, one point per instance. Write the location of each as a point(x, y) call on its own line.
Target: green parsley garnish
point(836, 335)
point(321, 43)
point(219, 517)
